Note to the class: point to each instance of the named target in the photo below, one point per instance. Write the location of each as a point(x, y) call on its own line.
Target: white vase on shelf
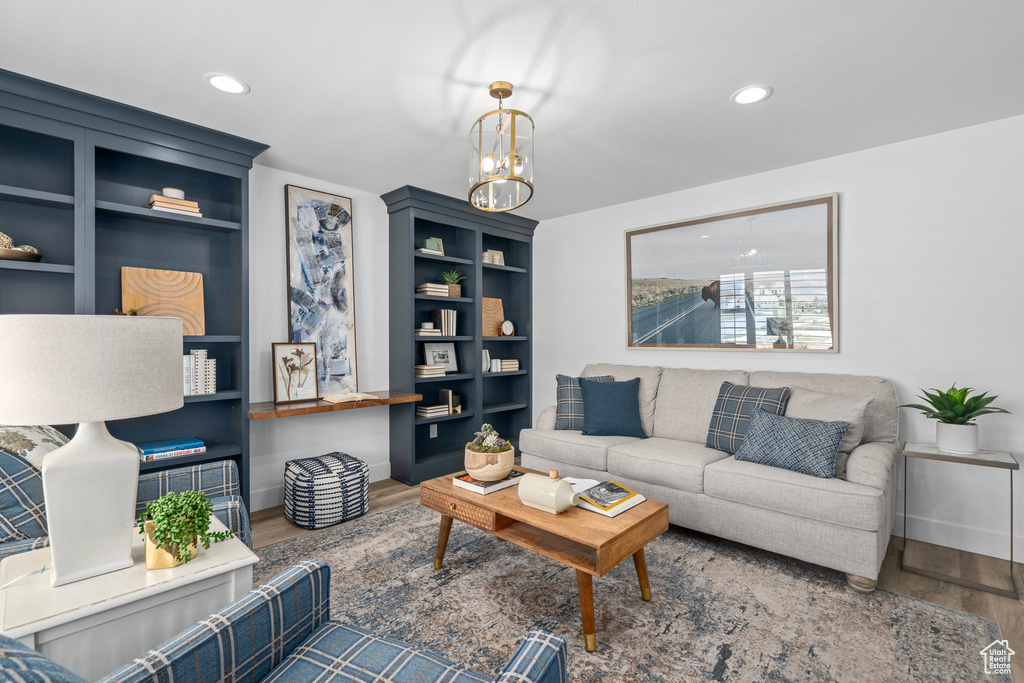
point(960, 439)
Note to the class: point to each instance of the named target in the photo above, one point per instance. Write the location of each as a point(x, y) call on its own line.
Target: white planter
point(962, 439)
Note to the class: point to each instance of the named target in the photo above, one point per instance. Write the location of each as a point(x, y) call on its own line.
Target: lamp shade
point(60, 369)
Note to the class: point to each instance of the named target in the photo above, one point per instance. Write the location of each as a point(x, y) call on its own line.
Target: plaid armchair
point(281, 632)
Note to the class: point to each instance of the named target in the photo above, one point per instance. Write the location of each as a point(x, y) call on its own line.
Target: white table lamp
point(61, 369)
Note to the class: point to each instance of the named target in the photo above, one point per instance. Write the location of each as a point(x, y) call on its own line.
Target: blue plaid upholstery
point(569, 398)
point(244, 641)
point(21, 496)
point(21, 664)
point(325, 490)
point(541, 658)
point(230, 510)
point(800, 445)
point(733, 409)
point(23, 546)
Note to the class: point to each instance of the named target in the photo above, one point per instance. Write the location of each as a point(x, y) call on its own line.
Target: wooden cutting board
point(168, 293)
point(493, 316)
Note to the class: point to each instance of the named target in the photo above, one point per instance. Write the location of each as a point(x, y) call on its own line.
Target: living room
point(900, 126)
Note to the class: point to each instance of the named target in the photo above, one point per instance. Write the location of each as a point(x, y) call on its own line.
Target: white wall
point(931, 242)
point(362, 433)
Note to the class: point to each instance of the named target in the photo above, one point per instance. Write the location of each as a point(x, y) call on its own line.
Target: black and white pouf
point(325, 490)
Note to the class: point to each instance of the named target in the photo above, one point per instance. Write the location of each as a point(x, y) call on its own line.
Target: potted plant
point(452, 278)
point(489, 457)
point(174, 527)
point(955, 410)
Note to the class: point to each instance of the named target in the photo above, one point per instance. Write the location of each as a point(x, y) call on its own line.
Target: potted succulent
point(489, 457)
point(955, 410)
point(174, 527)
point(452, 278)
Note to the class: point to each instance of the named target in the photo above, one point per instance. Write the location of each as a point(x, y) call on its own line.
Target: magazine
point(608, 498)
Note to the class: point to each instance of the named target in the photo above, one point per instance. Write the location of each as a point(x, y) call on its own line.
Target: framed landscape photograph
point(294, 372)
point(441, 353)
point(321, 296)
point(757, 279)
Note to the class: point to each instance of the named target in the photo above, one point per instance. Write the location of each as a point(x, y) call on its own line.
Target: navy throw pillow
point(734, 408)
point(804, 446)
point(611, 408)
point(569, 411)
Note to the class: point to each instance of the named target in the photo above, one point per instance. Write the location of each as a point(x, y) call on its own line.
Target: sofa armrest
point(546, 419)
point(215, 479)
point(244, 641)
point(873, 464)
point(230, 510)
point(541, 658)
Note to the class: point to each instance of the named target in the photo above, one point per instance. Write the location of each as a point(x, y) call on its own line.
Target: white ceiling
point(630, 97)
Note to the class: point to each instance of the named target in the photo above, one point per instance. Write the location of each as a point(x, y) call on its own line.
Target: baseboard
point(971, 539)
point(272, 496)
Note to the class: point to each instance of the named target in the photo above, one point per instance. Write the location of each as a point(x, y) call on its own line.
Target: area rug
point(718, 613)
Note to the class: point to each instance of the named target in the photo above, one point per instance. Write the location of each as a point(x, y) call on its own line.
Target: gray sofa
point(843, 522)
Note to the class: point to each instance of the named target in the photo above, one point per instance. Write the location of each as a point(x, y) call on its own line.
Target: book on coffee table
point(464, 481)
point(608, 498)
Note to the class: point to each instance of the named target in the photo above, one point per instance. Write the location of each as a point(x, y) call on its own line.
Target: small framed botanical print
point(294, 372)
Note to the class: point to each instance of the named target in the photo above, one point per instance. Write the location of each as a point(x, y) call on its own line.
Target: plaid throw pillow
point(21, 497)
point(798, 445)
point(733, 410)
point(569, 412)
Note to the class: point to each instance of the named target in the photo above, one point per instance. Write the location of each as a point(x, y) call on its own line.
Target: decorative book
point(464, 481)
point(608, 498)
point(346, 397)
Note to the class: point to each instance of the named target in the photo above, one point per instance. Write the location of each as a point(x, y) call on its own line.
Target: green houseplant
point(955, 409)
point(452, 278)
point(174, 527)
point(489, 457)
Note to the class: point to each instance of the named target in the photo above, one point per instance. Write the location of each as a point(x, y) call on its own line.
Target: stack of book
point(172, 448)
point(510, 365)
point(432, 289)
point(428, 332)
point(444, 319)
point(432, 411)
point(183, 206)
point(200, 373)
point(429, 370)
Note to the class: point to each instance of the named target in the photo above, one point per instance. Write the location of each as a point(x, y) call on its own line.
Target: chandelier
point(501, 162)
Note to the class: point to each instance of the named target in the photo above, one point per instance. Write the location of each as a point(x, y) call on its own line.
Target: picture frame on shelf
point(441, 353)
point(433, 244)
point(295, 376)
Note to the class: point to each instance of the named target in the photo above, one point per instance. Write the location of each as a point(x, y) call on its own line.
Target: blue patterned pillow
point(21, 496)
point(569, 411)
point(733, 410)
point(804, 446)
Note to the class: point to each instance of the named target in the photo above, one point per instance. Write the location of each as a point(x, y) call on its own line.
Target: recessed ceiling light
point(226, 83)
point(704, 237)
point(751, 94)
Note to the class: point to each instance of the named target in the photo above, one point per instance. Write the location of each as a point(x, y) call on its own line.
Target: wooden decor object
point(493, 317)
point(170, 293)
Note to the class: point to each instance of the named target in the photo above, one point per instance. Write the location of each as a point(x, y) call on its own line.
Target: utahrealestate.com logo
point(997, 657)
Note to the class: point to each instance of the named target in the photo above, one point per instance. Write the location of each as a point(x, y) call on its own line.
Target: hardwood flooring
point(270, 527)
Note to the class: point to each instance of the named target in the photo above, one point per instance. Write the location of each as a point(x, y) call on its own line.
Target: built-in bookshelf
point(430, 447)
point(76, 173)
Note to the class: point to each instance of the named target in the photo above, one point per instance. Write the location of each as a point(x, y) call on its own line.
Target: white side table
point(995, 459)
point(95, 626)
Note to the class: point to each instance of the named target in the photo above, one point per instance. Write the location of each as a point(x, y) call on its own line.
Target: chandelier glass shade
point(501, 157)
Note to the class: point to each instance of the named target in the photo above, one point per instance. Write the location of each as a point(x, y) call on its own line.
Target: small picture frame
point(294, 372)
point(441, 353)
point(434, 244)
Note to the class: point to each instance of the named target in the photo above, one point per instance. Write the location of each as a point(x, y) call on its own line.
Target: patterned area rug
point(719, 613)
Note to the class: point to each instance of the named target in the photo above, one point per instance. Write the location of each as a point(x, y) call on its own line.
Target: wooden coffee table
point(590, 543)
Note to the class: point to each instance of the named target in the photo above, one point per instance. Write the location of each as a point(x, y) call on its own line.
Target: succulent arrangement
point(131, 311)
point(488, 441)
point(954, 407)
point(181, 520)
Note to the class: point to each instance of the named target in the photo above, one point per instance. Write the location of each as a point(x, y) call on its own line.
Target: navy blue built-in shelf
point(76, 173)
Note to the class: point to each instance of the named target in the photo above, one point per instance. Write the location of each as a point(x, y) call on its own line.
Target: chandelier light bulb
point(487, 165)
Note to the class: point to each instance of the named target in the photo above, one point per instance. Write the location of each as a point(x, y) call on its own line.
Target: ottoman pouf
point(325, 490)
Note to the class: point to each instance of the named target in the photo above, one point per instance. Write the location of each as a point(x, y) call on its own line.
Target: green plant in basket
point(181, 520)
point(955, 406)
point(452, 277)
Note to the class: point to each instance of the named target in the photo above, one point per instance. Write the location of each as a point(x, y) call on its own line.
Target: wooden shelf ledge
point(268, 410)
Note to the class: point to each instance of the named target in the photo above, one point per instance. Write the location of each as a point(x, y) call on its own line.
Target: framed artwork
point(441, 353)
point(321, 293)
point(756, 279)
point(294, 372)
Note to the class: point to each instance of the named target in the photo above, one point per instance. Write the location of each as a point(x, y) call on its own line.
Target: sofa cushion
point(650, 377)
point(570, 447)
point(805, 446)
point(611, 408)
point(569, 408)
point(338, 652)
point(686, 399)
point(666, 462)
point(733, 409)
point(826, 500)
point(21, 496)
point(31, 443)
point(810, 405)
point(19, 662)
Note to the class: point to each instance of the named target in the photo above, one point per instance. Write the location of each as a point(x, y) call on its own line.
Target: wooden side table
point(980, 459)
point(94, 626)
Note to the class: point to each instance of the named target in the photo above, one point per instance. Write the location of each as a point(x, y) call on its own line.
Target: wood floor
point(270, 527)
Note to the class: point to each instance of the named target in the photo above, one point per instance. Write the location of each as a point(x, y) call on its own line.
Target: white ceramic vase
point(547, 493)
point(961, 439)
